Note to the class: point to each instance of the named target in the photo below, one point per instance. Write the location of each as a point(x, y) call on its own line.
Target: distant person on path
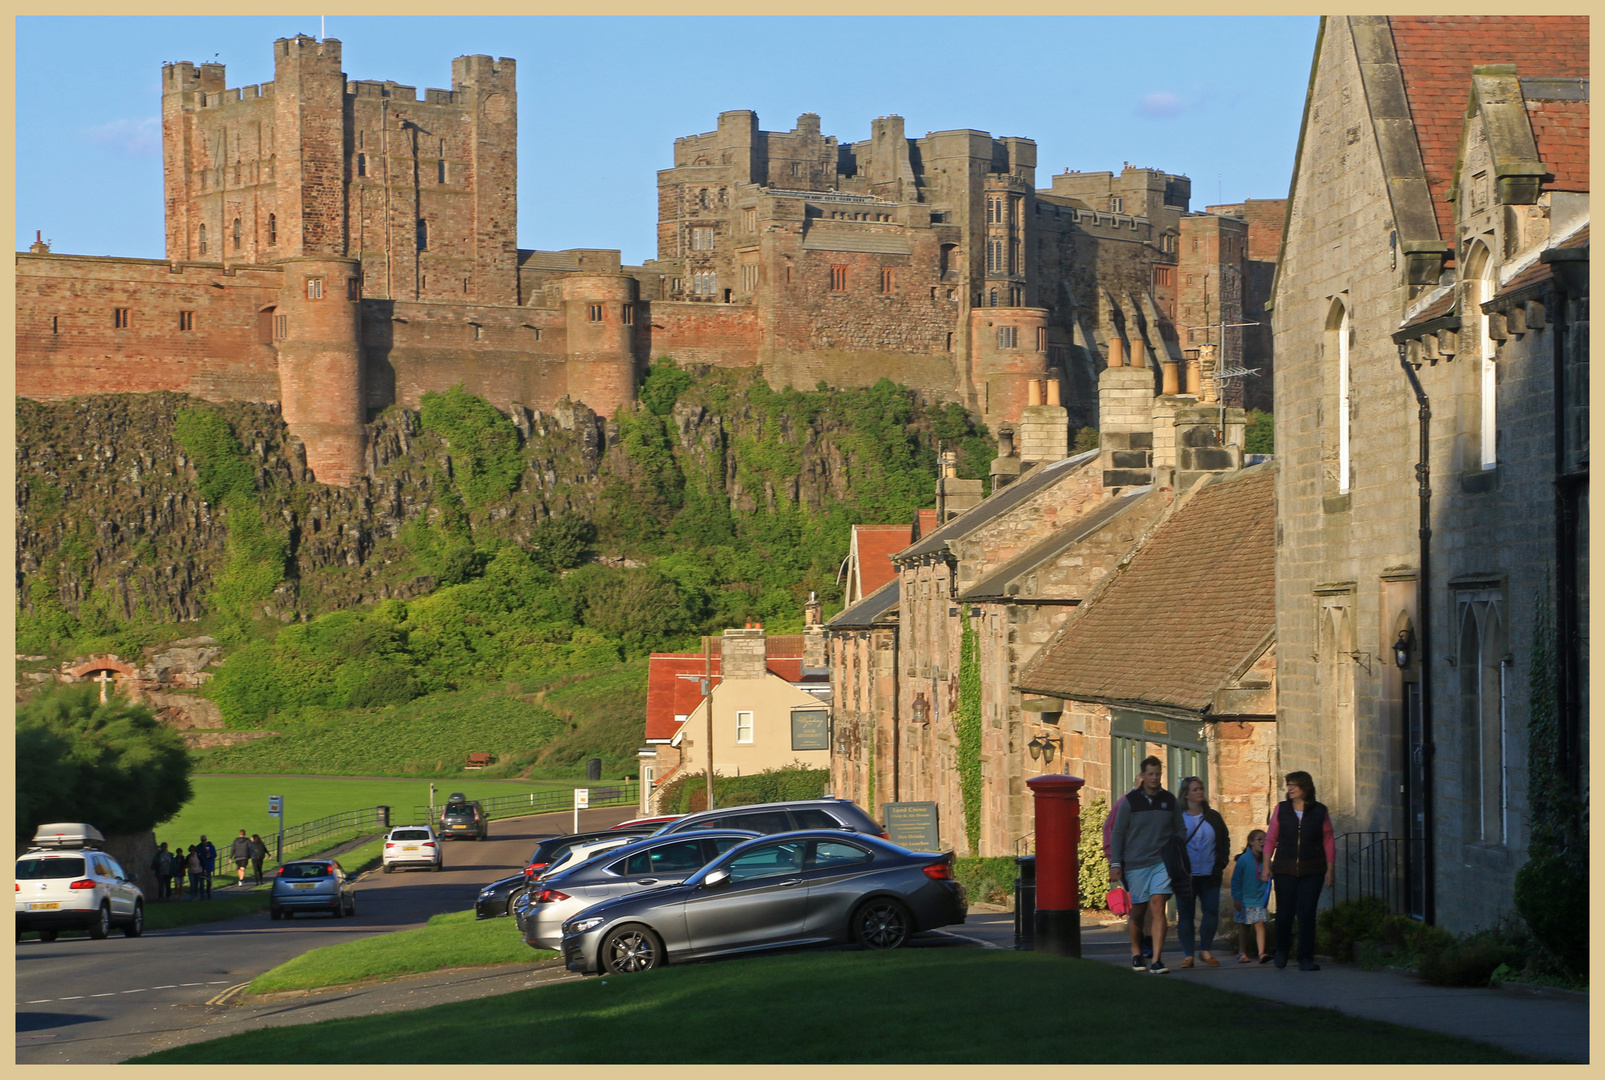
point(162, 867)
point(180, 870)
point(1251, 898)
point(240, 852)
point(1301, 855)
point(258, 853)
point(208, 853)
point(1150, 817)
point(197, 870)
point(1208, 851)
point(1137, 916)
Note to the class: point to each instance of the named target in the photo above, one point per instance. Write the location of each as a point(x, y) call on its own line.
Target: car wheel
point(48, 935)
point(387, 868)
point(102, 924)
point(351, 911)
point(439, 866)
point(339, 908)
point(631, 948)
point(275, 914)
point(513, 899)
point(882, 924)
point(135, 926)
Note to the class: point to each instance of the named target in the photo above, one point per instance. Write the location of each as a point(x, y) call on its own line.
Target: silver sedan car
point(644, 864)
point(802, 888)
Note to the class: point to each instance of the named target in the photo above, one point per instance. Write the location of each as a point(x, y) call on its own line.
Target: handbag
point(1174, 855)
point(1118, 900)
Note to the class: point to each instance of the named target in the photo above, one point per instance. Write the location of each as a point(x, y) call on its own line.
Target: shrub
point(987, 880)
point(1260, 437)
point(1349, 921)
point(1471, 960)
point(689, 794)
point(484, 444)
point(1094, 867)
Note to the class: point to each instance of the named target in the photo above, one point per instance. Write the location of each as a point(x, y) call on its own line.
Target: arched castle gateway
point(338, 246)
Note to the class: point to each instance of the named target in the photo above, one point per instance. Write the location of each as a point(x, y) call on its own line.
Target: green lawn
point(948, 1006)
point(223, 805)
point(452, 940)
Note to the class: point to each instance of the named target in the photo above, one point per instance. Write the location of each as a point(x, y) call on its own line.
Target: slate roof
point(872, 610)
point(674, 688)
point(997, 504)
point(1187, 612)
point(875, 545)
point(993, 586)
point(1436, 54)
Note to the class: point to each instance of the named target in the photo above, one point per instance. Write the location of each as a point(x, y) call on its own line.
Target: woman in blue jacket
point(1251, 897)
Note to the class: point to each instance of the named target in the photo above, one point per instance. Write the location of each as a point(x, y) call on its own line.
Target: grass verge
point(455, 939)
point(954, 1006)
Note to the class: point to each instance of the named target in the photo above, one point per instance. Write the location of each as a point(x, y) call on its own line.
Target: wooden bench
point(479, 760)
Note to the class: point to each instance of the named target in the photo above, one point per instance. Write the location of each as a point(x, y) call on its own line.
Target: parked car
point(779, 817)
point(553, 848)
point(497, 899)
point(580, 852)
point(463, 818)
point(311, 885)
point(412, 845)
point(652, 821)
point(819, 887)
point(65, 882)
point(644, 864)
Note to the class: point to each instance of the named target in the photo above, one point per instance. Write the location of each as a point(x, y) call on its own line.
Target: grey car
point(779, 817)
point(644, 864)
point(311, 885)
point(819, 887)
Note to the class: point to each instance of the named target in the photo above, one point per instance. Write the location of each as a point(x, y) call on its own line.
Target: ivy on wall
point(969, 727)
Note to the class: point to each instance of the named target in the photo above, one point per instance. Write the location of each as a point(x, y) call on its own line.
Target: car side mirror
point(717, 879)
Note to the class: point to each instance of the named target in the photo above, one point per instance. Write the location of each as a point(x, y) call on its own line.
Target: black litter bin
point(1025, 902)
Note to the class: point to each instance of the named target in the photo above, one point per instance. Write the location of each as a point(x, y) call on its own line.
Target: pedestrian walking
point(258, 853)
point(1208, 848)
point(1300, 858)
point(1150, 818)
point(240, 851)
point(161, 867)
point(1137, 915)
point(1251, 898)
point(180, 871)
point(197, 869)
point(208, 853)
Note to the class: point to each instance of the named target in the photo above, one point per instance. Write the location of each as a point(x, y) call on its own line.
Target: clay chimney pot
point(1170, 383)
point(1117, 356)
point(1033, 392)
point(1053, 391)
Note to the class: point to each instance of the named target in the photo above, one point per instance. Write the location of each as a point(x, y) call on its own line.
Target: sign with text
point(810, 729)
point(275, 806)
point(912, 825)
point(582, 798)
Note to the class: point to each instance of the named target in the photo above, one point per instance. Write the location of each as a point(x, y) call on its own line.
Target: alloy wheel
point(632, 949)
point(882, 925)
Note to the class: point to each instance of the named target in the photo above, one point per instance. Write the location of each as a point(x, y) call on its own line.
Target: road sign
point(275, 806)
point(582, 801)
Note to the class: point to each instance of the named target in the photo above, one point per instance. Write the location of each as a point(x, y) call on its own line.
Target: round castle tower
point(319, 335)
point(600, 312)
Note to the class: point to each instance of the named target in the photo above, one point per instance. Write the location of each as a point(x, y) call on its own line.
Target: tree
point(113, 765)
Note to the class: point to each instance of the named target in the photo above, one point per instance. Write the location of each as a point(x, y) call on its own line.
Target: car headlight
point(583, 926)
point(484, 894)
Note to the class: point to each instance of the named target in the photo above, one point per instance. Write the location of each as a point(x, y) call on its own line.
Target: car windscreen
point(410, 834)
point(307, 870)
point(42, 869)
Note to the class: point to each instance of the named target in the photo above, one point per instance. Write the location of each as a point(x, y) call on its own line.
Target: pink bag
point(1119, 900)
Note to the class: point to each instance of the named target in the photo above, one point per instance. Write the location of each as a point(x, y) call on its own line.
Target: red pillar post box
point(1058, 813)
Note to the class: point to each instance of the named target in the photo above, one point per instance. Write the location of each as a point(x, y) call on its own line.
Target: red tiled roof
point(1436, 54)
point(1435, 310)
point(674, 680)
point(1187, 612)
point(875, 545)
point(1561, 129)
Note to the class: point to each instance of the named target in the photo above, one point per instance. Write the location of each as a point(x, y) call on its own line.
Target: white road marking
point(192, 984)
point(139, 991)
point(218, 982)
point(75, 997)
point(966, 937)
point(169, 986)
point(38, 1001)
point(113, 994)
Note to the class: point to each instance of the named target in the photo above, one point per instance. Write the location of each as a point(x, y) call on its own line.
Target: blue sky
point(601, 101)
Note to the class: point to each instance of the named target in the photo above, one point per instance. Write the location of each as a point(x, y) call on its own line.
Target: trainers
point(1308, 965)
point(1137, 964)
point(1158, 968)
point(1281, 960)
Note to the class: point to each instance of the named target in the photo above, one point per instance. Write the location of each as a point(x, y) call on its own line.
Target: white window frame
point(747, 727)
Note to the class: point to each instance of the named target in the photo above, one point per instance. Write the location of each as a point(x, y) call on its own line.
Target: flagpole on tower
point(321, 28)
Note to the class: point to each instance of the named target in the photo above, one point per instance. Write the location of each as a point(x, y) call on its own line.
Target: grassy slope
point(953, 1006)
point(606, 714)
point(451, 940)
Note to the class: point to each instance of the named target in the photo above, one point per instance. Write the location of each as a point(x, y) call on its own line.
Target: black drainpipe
point(1423, 597)
point(1566, 500)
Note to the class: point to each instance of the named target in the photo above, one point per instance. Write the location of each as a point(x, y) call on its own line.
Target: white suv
point(412, 845)
point(64, 882)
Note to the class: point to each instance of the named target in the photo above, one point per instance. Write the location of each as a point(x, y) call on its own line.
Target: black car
point(461, 819)
point(497, 898)
point(779, 817)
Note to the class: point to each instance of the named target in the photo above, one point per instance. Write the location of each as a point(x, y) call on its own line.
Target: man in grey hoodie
point(1150, 817)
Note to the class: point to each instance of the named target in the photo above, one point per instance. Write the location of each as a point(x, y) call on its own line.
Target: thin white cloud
point(1161, 103)
point(136, 138)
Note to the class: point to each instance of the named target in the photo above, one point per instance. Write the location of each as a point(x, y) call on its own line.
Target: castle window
point(796, 168)
point(627, 315)
point(992, 299)
point(749, 273)
point(314, 288)
point(994, 256)
point(886, 280)
point(950, 341)
point(1195, 243)
point(201, 237)
point(354, 288)
point(186, 320)
point(273, 229)
point(1162, 276)
point(749, 220)
point(1015, 261)
point(1042, 339)
point(838, 279)
point(704, 282)
point(236, 234)
point(362, 164)
point(423, 235)
point(119, 318)
point(440, 172)
point(788, 273)
point(479, 332)
point(281, 327)
point(702, 239)
point(596, 312)
point(1008, 337)
point(1115, 204)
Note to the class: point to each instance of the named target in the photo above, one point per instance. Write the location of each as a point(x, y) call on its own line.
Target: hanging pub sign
point(810, 729)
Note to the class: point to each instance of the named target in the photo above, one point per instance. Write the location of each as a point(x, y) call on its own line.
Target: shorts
point(241, 864)
point(1250, 915)
point(1146, 881)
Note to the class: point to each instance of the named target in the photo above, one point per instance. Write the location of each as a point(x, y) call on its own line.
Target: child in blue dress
point(1251, 897)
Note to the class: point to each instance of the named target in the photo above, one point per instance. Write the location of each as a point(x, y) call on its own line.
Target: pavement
point(1541, 1028)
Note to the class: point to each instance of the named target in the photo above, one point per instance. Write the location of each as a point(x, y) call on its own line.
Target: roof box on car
point(67, 834)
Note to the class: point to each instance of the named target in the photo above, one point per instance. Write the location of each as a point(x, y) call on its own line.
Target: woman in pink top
point(1301, 858)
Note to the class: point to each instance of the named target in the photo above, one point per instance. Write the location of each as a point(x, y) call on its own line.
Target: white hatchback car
point(413, 845)
point(64, 882)
point(581, 852)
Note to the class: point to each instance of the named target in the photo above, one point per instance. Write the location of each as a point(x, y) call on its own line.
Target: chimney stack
point(743, 654)
point(1006, 466)
point(953, 496)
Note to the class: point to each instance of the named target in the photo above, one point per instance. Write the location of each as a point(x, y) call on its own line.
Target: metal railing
point(346, 824)
point(1371, 864)
point(541, 802)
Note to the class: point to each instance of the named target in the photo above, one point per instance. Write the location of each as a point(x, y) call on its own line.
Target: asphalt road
point(105, 1001)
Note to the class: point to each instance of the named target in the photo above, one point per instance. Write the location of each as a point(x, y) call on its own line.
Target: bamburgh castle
point(339, 246)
